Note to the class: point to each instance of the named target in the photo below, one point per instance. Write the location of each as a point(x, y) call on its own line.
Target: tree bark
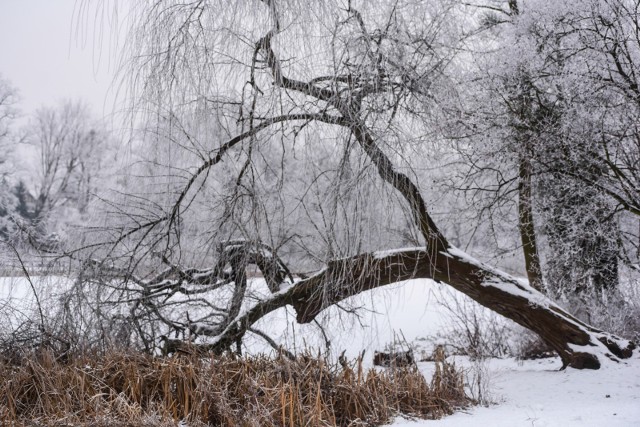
point(579, 345)
point(524, 112)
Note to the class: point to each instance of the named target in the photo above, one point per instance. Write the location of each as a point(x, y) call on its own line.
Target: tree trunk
point(526, 226)
point(579, 345)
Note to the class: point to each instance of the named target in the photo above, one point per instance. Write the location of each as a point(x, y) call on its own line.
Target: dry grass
point(123, 389)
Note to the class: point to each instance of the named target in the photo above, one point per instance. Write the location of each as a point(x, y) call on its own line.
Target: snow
point(18, 292)
point(406, 310)
point(384, 254)
point(509, 284)
point(536, 393)
point(387, 315)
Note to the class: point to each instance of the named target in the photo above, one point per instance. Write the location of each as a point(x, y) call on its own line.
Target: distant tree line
point(51, 167)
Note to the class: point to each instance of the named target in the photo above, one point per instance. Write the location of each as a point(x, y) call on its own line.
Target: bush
point(472, 330)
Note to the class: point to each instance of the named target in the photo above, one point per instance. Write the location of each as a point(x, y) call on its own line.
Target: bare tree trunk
point(526, 226)
point(524, 112)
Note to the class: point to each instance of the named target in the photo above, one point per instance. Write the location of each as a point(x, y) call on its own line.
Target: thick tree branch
point(401, 182)
point(579, 345)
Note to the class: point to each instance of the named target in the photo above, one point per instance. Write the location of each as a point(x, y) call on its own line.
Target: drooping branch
point(159, 294)
point(224, 148)
point(579, 345)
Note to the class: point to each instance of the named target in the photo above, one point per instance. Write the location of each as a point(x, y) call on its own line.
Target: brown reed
point(133, 389)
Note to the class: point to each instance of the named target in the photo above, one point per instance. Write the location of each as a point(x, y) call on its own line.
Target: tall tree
point(583, 170)
point(299, 74)
point(553, 110)
point(72, 150)
point(8, 113)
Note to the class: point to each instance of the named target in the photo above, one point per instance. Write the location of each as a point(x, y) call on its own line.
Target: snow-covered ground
point(535, 393)
point(18, 298)
point(395, 313)
point(530, 393)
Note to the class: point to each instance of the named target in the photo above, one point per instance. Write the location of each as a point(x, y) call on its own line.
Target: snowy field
point(536, 394)
point(530, 393)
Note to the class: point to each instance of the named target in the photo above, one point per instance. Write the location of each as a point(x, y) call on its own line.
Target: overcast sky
point(48, 57)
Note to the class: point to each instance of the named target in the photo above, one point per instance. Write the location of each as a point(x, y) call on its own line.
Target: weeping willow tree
point(285, 136)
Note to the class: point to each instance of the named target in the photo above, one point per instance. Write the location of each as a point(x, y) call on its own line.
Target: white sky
point(48, 56)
